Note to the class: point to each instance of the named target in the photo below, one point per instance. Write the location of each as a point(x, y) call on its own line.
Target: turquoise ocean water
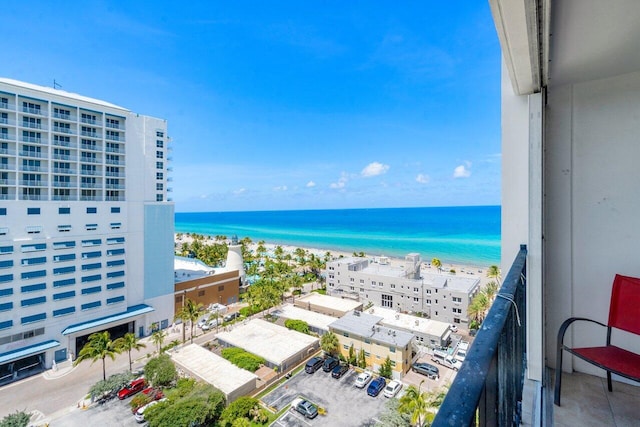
point(465, 235)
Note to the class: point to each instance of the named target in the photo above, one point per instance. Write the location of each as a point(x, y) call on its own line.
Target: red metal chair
point(624, 314)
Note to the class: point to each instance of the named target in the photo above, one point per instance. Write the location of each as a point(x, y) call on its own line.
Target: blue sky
point(288, 104)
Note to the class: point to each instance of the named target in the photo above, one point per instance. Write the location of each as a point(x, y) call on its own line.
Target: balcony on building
point(569, 150)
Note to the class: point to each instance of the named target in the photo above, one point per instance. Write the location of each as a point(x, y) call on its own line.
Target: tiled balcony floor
point(587, 402)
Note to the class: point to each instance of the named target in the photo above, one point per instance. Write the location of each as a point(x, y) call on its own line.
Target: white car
point(210, 325)
point(139, 415)
point(392, 388)
point(363, 379)
point(453, 328)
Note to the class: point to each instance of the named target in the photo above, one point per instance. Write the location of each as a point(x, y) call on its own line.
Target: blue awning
point(19, 353)
point(135, 310)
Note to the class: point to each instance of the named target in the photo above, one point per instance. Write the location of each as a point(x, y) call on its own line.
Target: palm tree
point(190, 311)
point(414, 403)
point(494, 273)
point(158, 338)
point(127, 343)
point(490, 290)
point(329, 342)
point(99, 346)
point(436, 263)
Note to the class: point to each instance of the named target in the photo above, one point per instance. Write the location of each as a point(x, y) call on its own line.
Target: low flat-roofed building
point(217, 371)
point(364, 332)
point(325, 304)
point(318, 322)
point(428, 332)
point(279, 346)
point(204, 284)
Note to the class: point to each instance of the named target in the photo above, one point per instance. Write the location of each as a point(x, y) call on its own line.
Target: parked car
point(153, 393)
point(363, 379)
point(329, 364)
point(445, 359)
point(210, 324)
point(392, 388)
point(229, 317)
point(132, 388)
point(202, 322)
point(376, 386)
point(306, 408)
point(313, 365)
point(461, 353)
point(426, 369)
point(454, 328)
point(139, 415)
point(339, 371)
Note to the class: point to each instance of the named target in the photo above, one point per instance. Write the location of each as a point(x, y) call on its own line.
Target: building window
point(159, 134)
point(64, 295)
point(6, 306)
point(64, 228)
point(159, 187)
point(115, 209)
point(92, 290)
point(65, 257)
point(93, 266)
point(115, 240)
point(34, 247)
point(64, 311)
point(35, 318)
point(159, 197)
point(92, 210)
point(64, 211)
point(115, 300)
point(3, 211)
point(33, 211)
point(387, 300)
point(64, 245)
point(91, 305)
point(116, 225)
point(200, 293)
point(415, 299)
point(159, 143)
point(116, 285)
point(65, 282)
point(33, 274)
point(64, 270)
point(33, 301)
point(91, 227)
point(393, 286)
point(159, 165)
point(159, 155)
point(159, 175)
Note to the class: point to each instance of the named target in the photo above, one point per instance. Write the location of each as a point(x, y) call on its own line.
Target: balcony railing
point(488, 387)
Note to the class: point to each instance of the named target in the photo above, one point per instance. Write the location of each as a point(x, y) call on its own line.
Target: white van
point(443, 358)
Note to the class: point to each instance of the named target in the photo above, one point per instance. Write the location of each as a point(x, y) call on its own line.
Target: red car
point(153, 393)
point(132, 388)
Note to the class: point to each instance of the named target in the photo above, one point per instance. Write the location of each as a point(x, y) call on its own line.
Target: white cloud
point(422, 178)
point(462, 171)
point(341, 182)
point(373, 169)
point(280, 188)
point(240, 191)
point(311, 184)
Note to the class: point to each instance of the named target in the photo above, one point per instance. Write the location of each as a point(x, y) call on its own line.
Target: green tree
point(491, 290)
point(436, 263)
point(297, 325)
point(386, 369)
point(127, 343)
point(190, 312)
point(329, 343)
point(362, 359)
point(158, 339)
point(494, 273)
point(160, 371)
point(98, 347)
point(414, 403)
point(17, 419)
point(240, 408)
point(352, 356)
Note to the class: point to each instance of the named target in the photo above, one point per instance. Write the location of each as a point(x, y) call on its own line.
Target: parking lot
point(345, 405)
point(114, 413)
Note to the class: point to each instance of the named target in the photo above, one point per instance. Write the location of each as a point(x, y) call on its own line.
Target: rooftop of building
point(340, 304)
point(212, 368)
point(58, 92)
point(368, 326)
point(190, 268)
point(316, 320)
point(395, 319)
point(272, 342)
point(450, 281)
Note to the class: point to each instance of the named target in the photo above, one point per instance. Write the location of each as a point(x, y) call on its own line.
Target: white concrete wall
point(592, 200)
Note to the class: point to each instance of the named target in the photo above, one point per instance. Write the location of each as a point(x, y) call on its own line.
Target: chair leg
point(556, 394)
point(609, 385)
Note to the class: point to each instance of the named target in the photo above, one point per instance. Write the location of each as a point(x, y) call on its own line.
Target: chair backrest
point(624, 310)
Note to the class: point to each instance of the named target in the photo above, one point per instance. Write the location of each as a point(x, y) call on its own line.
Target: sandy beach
point(471, 270)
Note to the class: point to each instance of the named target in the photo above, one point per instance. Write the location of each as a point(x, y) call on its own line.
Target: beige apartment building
point(364, 332)
point(403, 287)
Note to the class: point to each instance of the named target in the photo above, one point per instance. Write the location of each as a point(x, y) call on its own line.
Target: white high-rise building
point(86, 227)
